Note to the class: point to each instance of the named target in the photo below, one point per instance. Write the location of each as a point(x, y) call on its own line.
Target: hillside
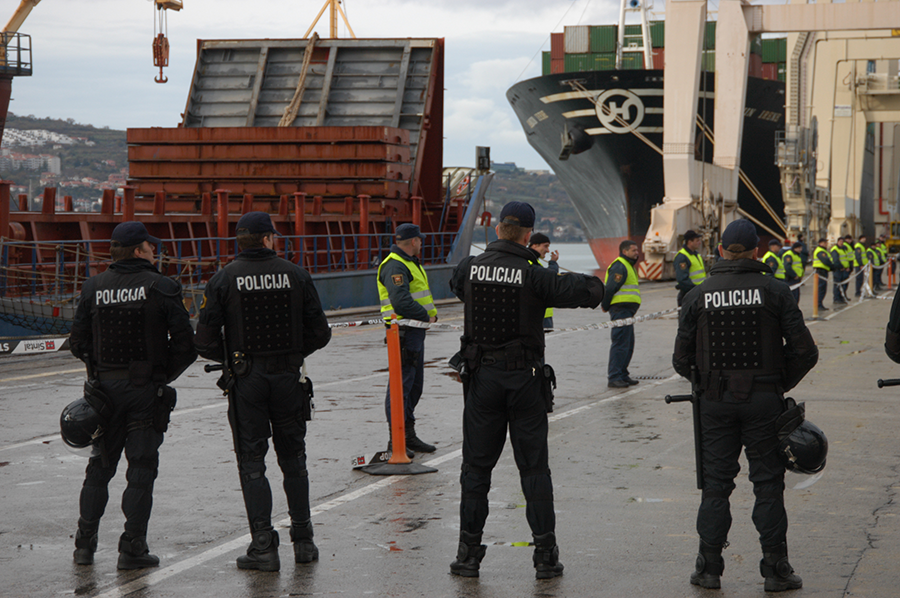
point(85, 169)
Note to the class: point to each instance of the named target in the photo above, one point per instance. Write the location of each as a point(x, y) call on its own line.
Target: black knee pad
point(253, 467)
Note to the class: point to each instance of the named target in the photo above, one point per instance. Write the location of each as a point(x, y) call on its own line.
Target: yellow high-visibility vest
point(418, 288)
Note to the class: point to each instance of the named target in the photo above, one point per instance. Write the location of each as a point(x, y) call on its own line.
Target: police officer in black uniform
point(892, 334)
point(273, 319)
point(134, 334)
point(505, 297)
point(747, 339)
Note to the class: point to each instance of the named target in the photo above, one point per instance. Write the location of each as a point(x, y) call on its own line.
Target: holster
point(166, 397)
point(548, 385)
point(240, 364)
point(460, 364)
point(306, 403)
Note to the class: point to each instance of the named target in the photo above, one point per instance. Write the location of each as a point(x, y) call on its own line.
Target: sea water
point(573, 257)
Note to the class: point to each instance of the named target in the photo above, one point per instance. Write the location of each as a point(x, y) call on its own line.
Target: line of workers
point(789, 261)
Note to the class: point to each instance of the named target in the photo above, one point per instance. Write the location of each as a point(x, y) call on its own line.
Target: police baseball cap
point(517, 213)
point(774, 242)
point(797, 245)
point(538, 238)
point(690, 235)
point(409, 231)
point(740, 236)
point(255, 223)
point(128, 234)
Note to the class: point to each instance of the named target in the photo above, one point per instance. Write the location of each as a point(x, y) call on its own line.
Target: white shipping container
point(578, 39)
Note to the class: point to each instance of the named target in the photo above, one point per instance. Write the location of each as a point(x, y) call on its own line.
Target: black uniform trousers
point(131, 430)
point(728, 425)
point(823, 285)
point(270, 404)
point(498, 398)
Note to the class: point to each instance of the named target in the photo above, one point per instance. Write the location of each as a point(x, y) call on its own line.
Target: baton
point(682, 398)
point(218, 367)
point(890, 382)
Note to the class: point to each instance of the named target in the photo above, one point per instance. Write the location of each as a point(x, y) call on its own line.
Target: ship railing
point(15, 54)
point(50, 274)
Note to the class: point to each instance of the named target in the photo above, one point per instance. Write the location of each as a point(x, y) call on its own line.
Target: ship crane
point(689, 182)
point(15, 49)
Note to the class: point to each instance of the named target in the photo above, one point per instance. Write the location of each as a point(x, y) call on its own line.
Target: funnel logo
point(615, 104)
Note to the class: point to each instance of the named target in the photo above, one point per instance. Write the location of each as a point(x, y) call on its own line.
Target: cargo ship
point(340, 140)
point(583, 114)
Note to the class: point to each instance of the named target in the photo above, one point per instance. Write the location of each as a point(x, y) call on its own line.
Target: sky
point(93, 60)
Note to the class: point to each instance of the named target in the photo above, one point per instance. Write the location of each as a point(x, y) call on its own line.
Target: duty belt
point(512, 359)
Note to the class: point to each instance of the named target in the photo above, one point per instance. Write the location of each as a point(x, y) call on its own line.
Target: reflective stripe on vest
point(862, 253)
point(779, 270)
point(818, 263)
point(796, 263)
point(628, 292)
point(418, 289)
point(698, 272)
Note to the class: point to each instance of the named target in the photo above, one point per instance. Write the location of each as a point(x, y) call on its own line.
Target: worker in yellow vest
point(622, 300)
point(823, 264)
point(689, 268)
point(773, 260)
point(404, 293)
point(860, 260)
point(793, 267)
point(540, 243)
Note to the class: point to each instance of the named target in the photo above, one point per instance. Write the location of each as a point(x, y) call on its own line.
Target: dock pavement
point(622, 463)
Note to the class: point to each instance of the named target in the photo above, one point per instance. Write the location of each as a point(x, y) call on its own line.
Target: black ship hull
point(616, 181)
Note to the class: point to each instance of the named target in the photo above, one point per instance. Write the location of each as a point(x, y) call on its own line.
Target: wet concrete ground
point(622, 462)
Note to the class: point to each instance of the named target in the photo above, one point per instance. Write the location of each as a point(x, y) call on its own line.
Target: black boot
point(468, 555)
point(305, 550)
point(134, 553)
point(85, 543)
point(710, 566)
point(390, 449)
point(546, 557)
point(413, 442)
point(262, 554)
point(778, 572)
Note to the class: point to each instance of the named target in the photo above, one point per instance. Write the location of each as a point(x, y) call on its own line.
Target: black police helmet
point(804, 449)
point(80, 424)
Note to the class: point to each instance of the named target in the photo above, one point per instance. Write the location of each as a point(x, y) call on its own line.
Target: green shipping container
point(604, 38)
point(658, 33)
point(545, 66)
point(708, 61)
point(605, 61)
point(577, 63)
point(633, 60)
point(633, 30)
point(710, 35)
point(774, 50)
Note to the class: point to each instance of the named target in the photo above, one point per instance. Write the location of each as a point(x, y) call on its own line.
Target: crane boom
point(20, 15)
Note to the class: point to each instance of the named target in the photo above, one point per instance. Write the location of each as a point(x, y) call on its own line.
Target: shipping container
point(756, 47)
point(557, 66)
point(578, 63)
point(578, 39)
point(557, 46)
point(605, 61)
point(604, 38)
point(769, 71)
point(545, 63)
point(658, 33)
point(659, 58)
point(710, 35)
point(708, 61)
point(633, 30)
point(633, 60)
point(774, 50)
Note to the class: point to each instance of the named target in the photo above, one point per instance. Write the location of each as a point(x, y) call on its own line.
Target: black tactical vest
point(501, 307)
point(738, 331)
point(265, 307)
point(127, 322)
